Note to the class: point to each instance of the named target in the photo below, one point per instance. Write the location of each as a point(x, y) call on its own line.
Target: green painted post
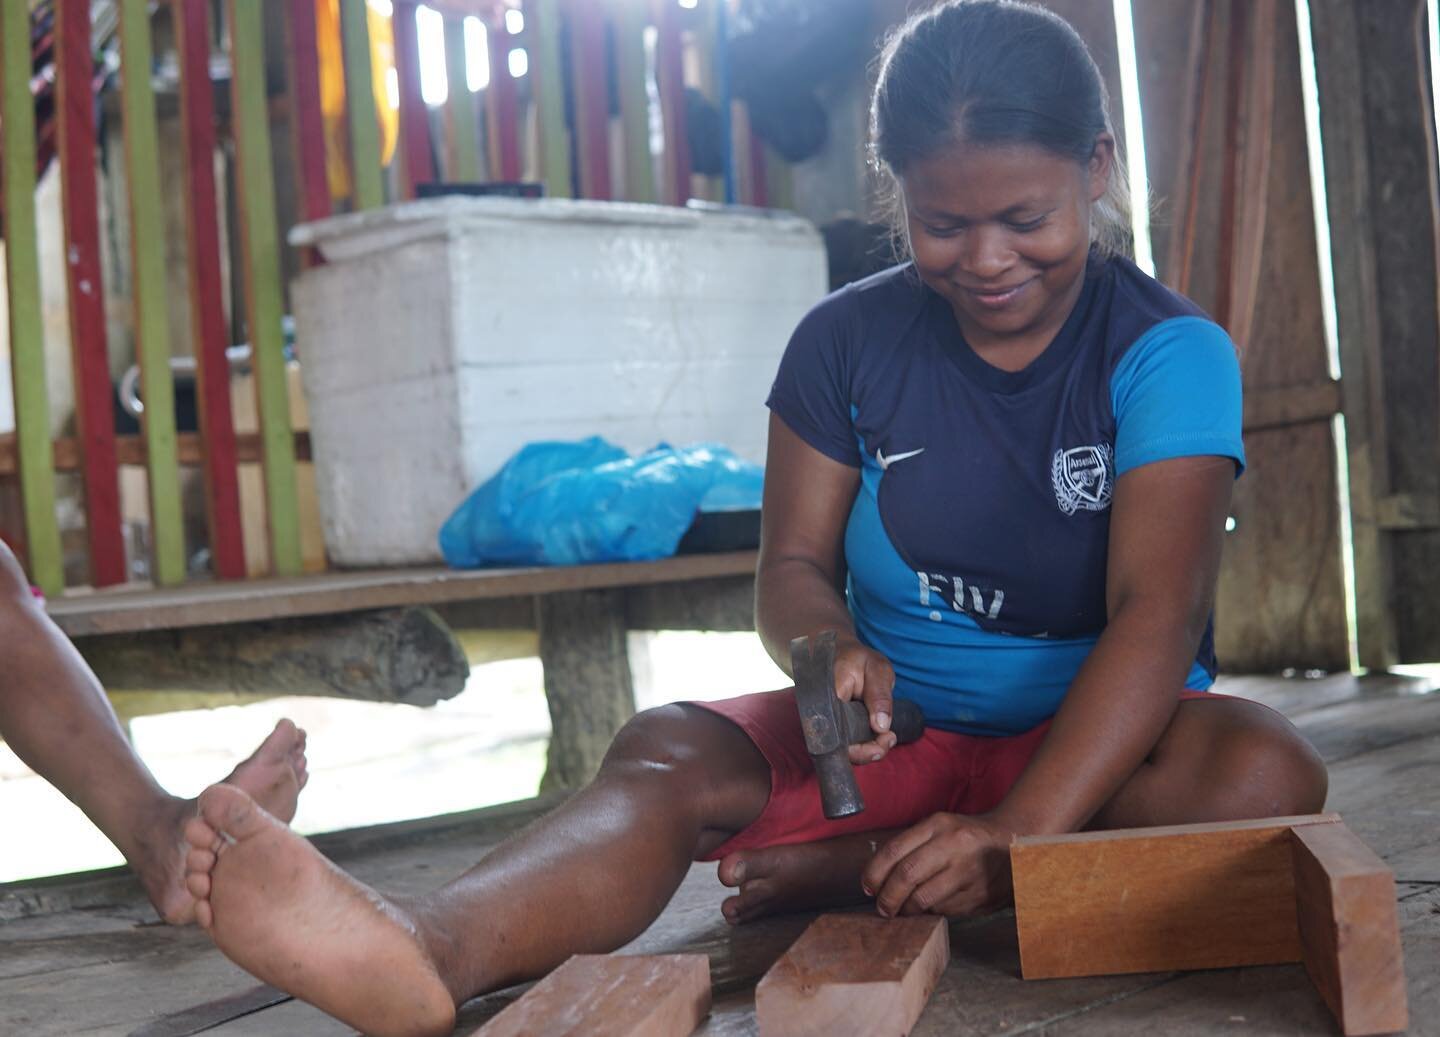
point(152, 330)
point(360, 101)
point(460, 108)
point(264, 305)
point(635, 101)
point(549, 86)
point(27, 343)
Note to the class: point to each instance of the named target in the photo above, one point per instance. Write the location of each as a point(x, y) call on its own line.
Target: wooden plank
point(209, 334)
point(191, 450)
point(1345, 897)
point(1408, 511)
point(1157, 899)
point(603, 995)
point(502, 108)
point(115, 612)
point(854, 973)
point(416, 165)
point(261, 247)
point(152, 328)
point(307, 123)
point(591, 98)
point(1335, 39)
point(461, 115)
point(27, 338)
point(670, 79)
point(1292, 405)
point(631, 21)
point(360, 104)
point(94, 404)
point(542, 17)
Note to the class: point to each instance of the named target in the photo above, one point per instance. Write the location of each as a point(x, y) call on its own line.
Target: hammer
point(832, 726)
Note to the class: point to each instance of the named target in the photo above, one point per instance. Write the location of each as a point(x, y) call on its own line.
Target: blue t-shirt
point(977, 543)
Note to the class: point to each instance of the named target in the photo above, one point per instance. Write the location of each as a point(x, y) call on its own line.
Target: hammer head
point(832, 726)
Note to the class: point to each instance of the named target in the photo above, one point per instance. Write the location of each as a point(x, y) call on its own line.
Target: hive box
point(441, 336)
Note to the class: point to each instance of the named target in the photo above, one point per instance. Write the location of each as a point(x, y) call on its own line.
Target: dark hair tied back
point(994, 72)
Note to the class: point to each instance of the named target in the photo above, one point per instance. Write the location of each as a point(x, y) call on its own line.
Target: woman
point(1000, 473)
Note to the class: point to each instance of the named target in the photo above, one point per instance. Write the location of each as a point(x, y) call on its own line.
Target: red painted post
point(94, 401)
point(759, 189)
point(416, 164)
point(207, 307)
point(307, 125)
point(592, 97)
point(502, 106)
point(670, 62)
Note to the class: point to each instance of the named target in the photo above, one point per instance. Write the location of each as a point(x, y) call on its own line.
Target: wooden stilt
point(416, 165)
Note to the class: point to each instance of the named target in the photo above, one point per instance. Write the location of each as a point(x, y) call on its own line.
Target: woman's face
point(1002, 232)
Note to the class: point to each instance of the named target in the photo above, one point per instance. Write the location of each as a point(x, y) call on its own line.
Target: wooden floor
point(81, 957)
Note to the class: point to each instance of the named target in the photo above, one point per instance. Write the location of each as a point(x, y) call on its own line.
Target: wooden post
point(670, 74)
point(502, 108)
point(631, 21)
point(587, 681)
point(207, 308)
point(416, 165)
point(259, 234)
point(460, 108)
point(22, 271)
point(360, 103)
point(612, 995)
point(548, 87)
point(854, 974)
point(592, 98)
point(152, 330)
point(94, 401)
point(307, 123)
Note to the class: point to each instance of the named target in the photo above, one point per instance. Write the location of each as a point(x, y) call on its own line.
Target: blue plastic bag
point(572, 503)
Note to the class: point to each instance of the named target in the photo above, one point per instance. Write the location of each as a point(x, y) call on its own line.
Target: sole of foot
point(284, 913)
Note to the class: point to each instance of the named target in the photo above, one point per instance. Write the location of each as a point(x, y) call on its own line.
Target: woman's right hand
point(862, 673)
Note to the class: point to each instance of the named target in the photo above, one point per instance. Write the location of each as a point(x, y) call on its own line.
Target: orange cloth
point(332, 90)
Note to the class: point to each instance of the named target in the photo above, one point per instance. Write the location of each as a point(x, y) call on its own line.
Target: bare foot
point(273, 776)
point(799, 877)
point(283, 912)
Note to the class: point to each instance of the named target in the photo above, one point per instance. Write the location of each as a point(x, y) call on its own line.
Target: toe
point(198, 883)
point(732, 869)
point(230, 810)
point(198, 832)
point(199, 860)
point(204, 916)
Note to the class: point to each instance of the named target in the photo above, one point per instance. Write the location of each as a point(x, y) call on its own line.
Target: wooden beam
point(631, 22)
point(1411, 511)
point(307, 121)
point(115, 612)
point(1349, 930)
point(416, 164)
point(670, 80)
point(405, 655)
point(152, 327)
point(502, 107)
point(547, 83)
point(852, 974)
point(1292, 405)
point(462, 118)
point(1157, 899)
point(191, 451)
point(612, 995)
point(360, 104)
point(590, 76)
point(27, 334)
point(208, 331)
point(94, 402)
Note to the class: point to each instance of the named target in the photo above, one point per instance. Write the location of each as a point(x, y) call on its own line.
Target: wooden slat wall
point(207, 308)
point(542, 20)
point(591, 97)
point(22, 267)
point(360, 104)
point(94, 407)
point(152, 328)
point(307, 126)
point(416, 165)
point(630, 22)
point(1281, 600)
point(502, 108)
point(670, 73)
point(259, 232)
point(460, 109)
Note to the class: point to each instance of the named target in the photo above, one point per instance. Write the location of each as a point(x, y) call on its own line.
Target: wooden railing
point(432, 146)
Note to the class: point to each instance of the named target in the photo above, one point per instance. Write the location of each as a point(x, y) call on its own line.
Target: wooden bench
point(579, 614)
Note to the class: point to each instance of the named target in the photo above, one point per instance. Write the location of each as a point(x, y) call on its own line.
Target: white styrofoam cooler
point(441, 336)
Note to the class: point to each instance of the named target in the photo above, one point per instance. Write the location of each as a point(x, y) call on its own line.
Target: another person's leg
point(56, 718)
point(588, 877)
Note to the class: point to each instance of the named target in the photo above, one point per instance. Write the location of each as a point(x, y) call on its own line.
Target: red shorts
point(942, 772)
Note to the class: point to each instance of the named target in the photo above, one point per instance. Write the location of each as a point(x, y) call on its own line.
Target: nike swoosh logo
point(886, 462)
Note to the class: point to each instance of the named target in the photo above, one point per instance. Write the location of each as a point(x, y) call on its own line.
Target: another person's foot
point(799, 877)
point(273, 776)
point(279, 909)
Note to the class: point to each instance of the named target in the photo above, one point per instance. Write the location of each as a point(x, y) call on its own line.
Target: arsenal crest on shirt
point(1084, 477)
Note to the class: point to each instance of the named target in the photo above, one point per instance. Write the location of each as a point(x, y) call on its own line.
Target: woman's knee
point(1260, 765)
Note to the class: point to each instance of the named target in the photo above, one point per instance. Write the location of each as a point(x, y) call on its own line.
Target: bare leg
point(587, 878)
point(55, 716)
point(1219, 760)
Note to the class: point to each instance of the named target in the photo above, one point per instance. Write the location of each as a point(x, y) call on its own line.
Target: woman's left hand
point(948, 864)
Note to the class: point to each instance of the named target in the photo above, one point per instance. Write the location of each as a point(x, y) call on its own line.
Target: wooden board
point(208, 331)
point(670, 80)
point(502, 108)
point(27, 336)
point(191, 450)
point(854, 973)
point(360, 105)
point(630, 24)
point(461, 116)
point(114, 612)
point(591, 97)
point(1345, 897)
point(307, 126)
point(542, 20)
point(259, 233)
point(416, 165)
point(604, 995)
point(152, 328)
point(94, 404)
point(1157, 899)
